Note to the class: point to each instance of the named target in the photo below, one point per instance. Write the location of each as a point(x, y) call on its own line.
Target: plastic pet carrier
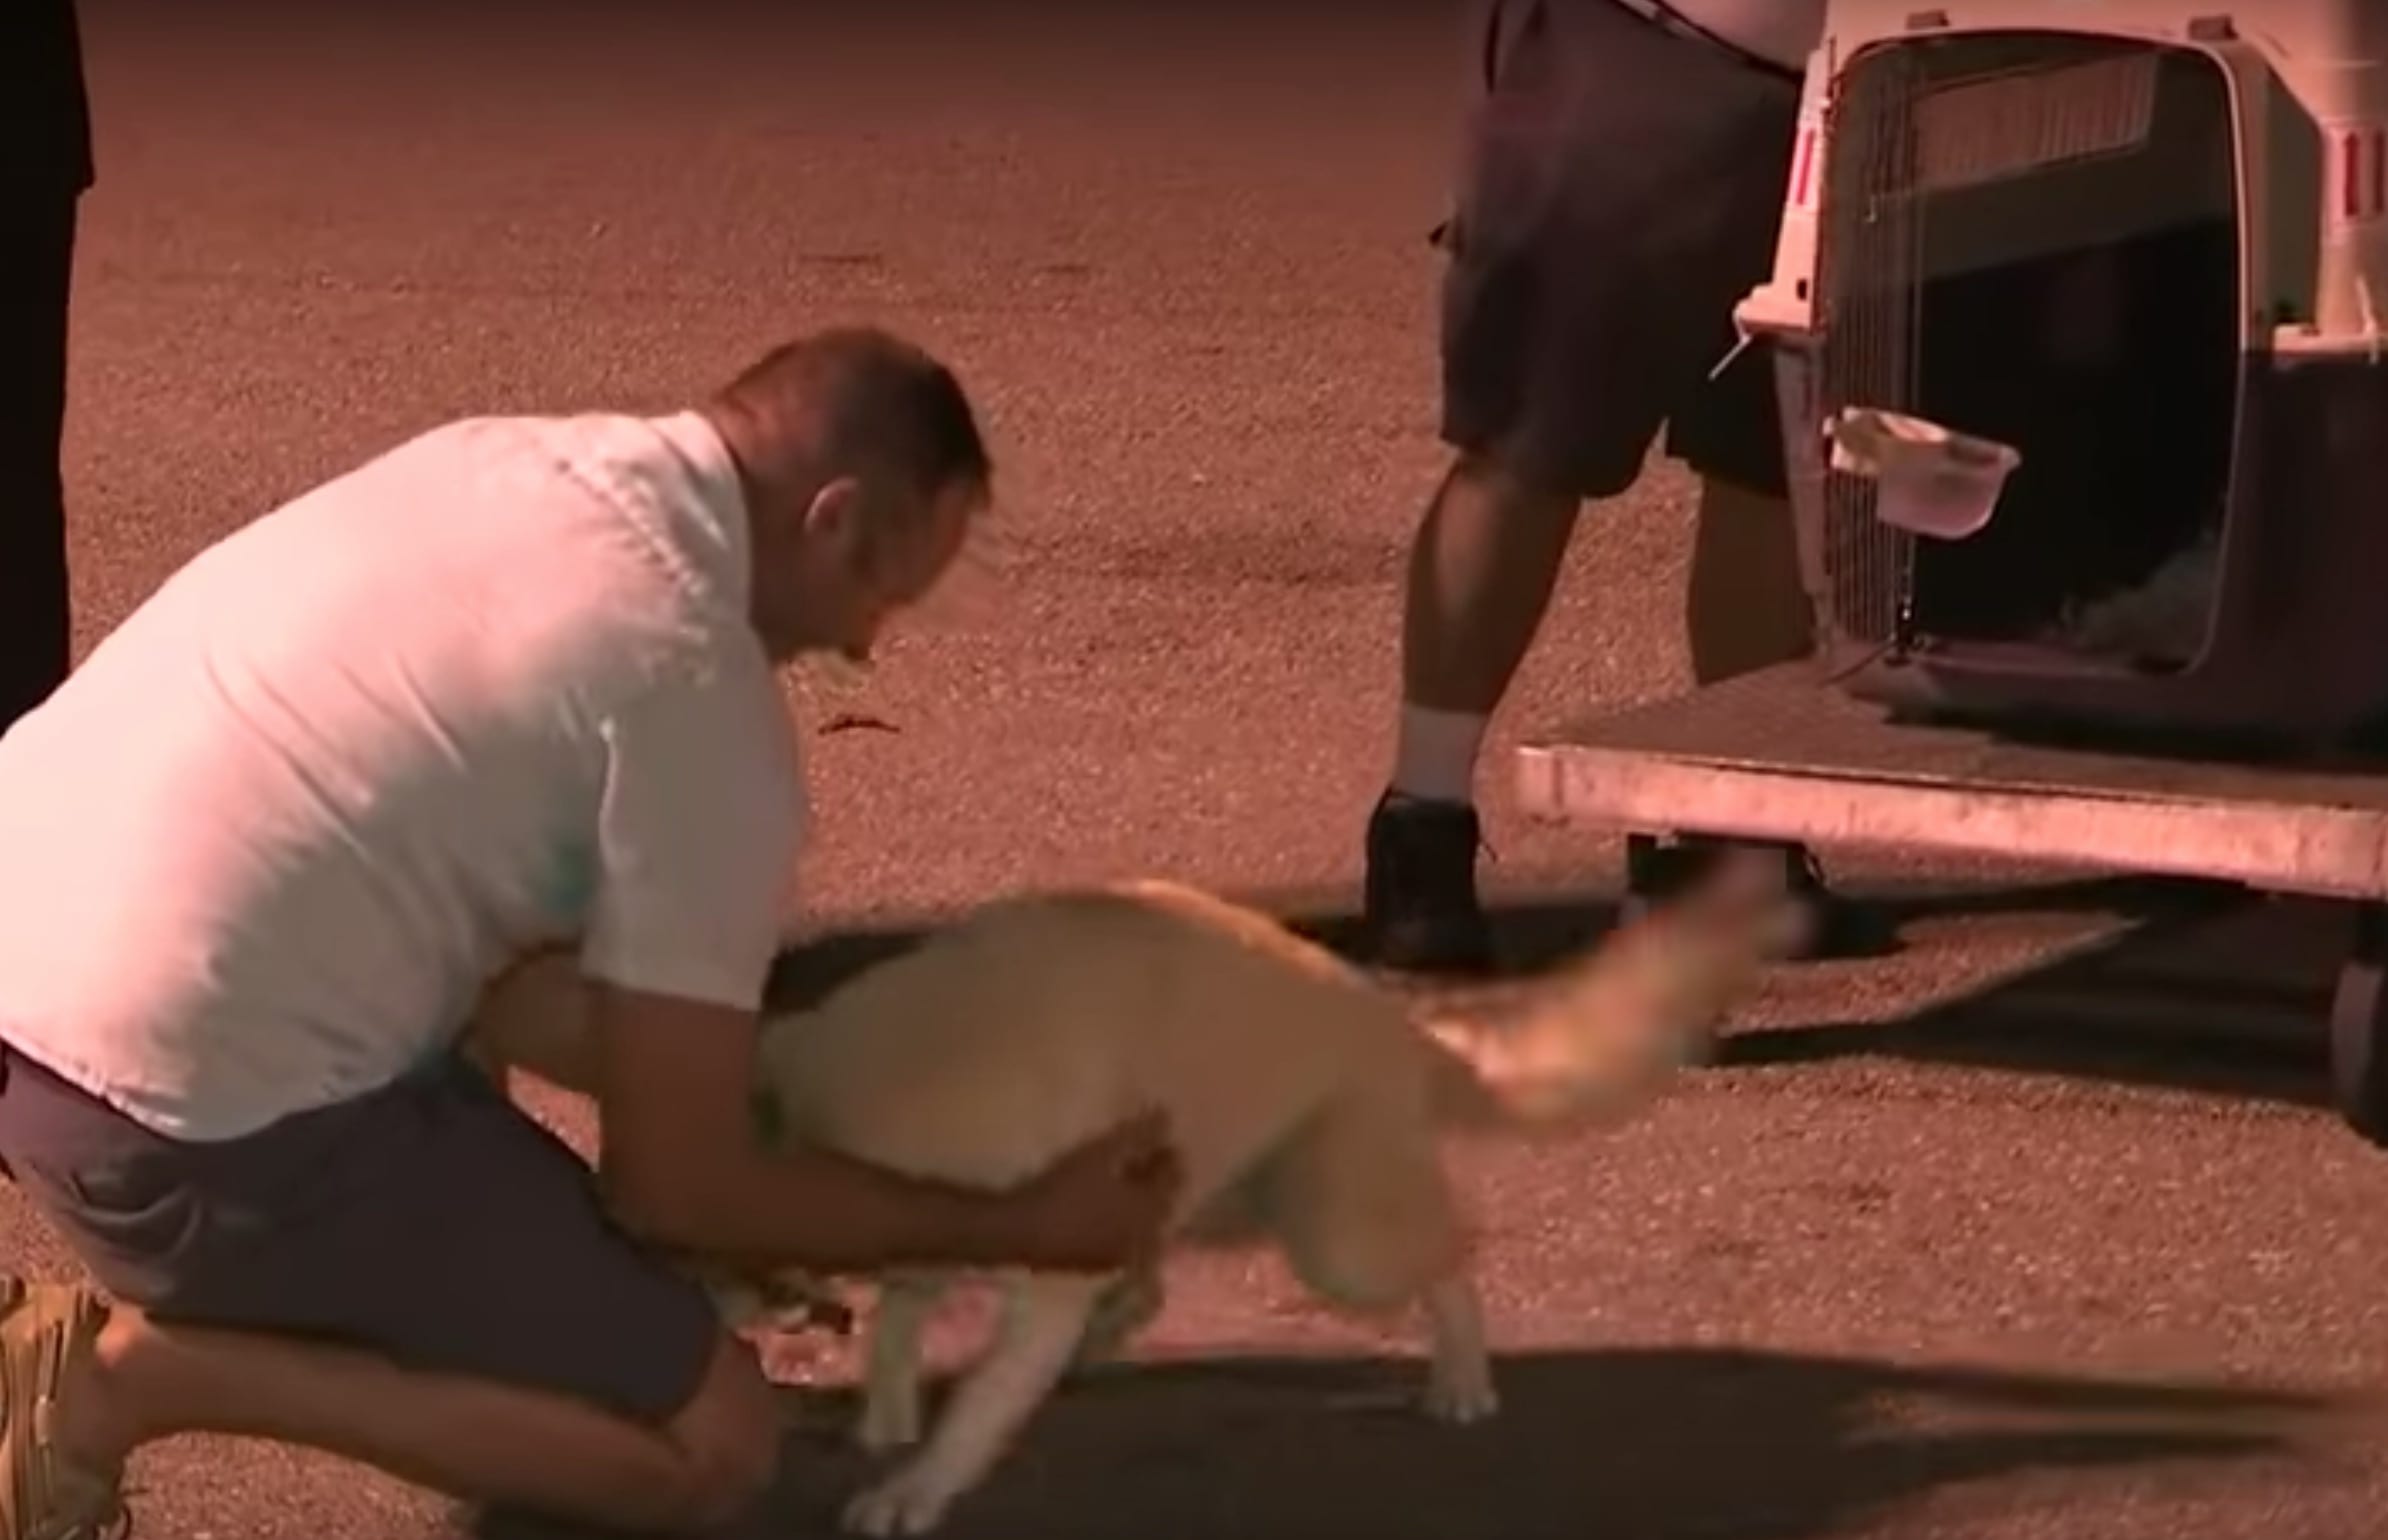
point(2077, 312)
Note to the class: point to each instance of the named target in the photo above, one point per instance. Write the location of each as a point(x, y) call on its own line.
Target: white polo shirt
point(494, 689)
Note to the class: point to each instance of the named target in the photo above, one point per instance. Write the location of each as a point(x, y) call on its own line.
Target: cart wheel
point(2359, 1027)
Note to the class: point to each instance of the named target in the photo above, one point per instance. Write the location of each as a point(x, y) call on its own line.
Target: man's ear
point(833, 517)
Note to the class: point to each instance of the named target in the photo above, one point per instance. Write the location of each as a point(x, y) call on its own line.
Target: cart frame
point(1783, 754)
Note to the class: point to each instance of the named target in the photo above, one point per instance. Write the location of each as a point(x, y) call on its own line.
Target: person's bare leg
point(1746, 608)
point(1482, 569)
point(474, 1440)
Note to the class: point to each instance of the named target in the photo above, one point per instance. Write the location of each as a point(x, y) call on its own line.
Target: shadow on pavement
point(1651, 1444)
point(2231, 1001)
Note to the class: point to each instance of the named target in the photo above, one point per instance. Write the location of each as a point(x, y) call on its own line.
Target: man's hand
point(1102, 1206)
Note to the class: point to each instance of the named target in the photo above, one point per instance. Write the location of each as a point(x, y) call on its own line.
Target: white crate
point(2309, 81)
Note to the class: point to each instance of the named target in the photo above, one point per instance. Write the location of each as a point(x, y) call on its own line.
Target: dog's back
point(1038, 1021)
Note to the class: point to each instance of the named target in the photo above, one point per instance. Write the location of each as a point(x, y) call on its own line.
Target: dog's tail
point(1607, 1035)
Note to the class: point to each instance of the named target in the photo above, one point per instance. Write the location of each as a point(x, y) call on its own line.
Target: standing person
point(45, 167)
point(1620, 191)
point(511, 685)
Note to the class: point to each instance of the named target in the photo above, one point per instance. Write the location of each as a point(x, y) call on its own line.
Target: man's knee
point(729, 1436)
point(1498, 489)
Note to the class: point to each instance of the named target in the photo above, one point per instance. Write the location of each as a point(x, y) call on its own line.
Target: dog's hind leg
point(891, 1377)
point(1044, 1319)
point(1459, 1381)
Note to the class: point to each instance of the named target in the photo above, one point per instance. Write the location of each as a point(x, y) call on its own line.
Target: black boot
point(1421, 910)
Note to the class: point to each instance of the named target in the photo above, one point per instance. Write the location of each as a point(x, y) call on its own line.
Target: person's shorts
point(1620, 192)
point(433, 1222)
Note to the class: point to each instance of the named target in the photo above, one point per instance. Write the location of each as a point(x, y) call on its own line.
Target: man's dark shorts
point(1621, 190)
point(433, 1222)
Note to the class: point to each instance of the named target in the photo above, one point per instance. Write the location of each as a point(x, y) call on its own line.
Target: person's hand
point(1101, 1206)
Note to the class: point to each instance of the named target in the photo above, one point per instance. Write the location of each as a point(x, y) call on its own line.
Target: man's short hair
point(859, 401)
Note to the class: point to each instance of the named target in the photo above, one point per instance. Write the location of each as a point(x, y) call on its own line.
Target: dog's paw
point(888, 1423)
point(910, 1502)
point(1461, 1399)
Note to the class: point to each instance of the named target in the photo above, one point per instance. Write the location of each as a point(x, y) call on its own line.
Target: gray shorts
point(434, 1223)
point(1621, 189)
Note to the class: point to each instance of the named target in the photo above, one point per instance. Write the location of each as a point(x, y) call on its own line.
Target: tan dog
point(1303, 1095)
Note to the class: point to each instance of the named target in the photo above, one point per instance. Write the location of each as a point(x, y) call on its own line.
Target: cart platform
point(1784, 754)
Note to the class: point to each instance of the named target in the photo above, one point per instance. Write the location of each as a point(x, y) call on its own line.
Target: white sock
point(1434, 757)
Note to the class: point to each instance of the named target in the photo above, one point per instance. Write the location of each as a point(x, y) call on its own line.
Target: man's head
point(863, 469)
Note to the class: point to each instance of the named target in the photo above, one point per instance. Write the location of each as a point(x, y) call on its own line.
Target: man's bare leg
point(478, 1441)
point(1746, 608)
point(1482, 570)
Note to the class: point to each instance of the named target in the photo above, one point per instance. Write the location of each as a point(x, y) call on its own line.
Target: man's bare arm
point(684, 1165)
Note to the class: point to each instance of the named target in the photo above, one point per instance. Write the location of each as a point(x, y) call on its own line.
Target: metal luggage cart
point(1786, 755)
